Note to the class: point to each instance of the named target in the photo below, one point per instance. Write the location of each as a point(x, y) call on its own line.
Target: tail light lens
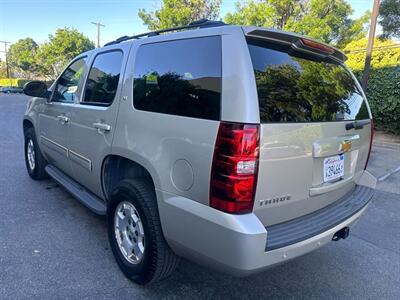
point(235, 168)
point(317, 46)
point(370, 143)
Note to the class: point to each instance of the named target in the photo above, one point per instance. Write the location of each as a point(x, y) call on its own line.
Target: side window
point(180, 77)
point(67, 85)
point(102, 82)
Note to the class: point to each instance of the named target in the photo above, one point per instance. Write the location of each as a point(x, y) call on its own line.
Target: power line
point(5, 52)
point(98, 24)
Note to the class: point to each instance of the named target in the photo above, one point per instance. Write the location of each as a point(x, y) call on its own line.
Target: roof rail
point(202, 23)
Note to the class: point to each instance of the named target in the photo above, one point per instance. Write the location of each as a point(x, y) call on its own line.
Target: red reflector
point(370, 143)
point(235, 168)
point(317, 46)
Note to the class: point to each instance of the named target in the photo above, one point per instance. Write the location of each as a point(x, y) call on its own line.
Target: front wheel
point(34, 160)
point(135, 233)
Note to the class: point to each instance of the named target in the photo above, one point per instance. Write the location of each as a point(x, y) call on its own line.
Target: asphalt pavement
point(52, 247)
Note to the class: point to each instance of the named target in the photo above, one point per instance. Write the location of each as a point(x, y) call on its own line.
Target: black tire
point(37, 172)
point(158, 260)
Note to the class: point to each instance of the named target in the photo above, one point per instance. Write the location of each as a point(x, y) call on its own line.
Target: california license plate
point(333, 167)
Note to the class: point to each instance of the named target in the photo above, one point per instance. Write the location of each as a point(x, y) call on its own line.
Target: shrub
point(13, 82)
point(383, 93)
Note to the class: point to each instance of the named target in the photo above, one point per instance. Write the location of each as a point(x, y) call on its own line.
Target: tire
point(156, 261)
point(36, 169)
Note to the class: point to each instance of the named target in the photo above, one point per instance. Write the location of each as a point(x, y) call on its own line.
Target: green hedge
point(13, 82)
point(383, 93)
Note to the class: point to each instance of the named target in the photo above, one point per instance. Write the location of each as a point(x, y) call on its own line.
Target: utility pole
point(5, 52)
point(98, 24)
point(371, 37)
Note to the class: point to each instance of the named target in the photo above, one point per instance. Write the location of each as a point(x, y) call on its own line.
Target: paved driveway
point(52, 247)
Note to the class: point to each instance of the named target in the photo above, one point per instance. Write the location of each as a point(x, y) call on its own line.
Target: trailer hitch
point(341, 234)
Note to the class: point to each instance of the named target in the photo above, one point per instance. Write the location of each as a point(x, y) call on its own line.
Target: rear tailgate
point(309, 158)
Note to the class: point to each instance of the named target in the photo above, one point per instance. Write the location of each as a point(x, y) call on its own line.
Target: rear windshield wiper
point(357, 124)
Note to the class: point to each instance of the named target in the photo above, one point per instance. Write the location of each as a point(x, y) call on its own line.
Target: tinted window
point(66, 89)
point(180, 78)
point(102, 82)
point(303, 89)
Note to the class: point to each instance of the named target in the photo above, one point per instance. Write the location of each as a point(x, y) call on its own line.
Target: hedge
point(383, 93)
point(13, 82)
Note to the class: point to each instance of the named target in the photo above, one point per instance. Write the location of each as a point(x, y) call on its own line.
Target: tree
point(325, 20)
point(389, 14)
point(61, 48)
point(3, 69)
point(180, 12)
point(384, 54)
point(21, 58)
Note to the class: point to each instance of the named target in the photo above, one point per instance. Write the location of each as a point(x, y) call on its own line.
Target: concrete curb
point(395, 146)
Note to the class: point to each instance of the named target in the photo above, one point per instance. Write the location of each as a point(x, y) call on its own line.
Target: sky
point(39, 18)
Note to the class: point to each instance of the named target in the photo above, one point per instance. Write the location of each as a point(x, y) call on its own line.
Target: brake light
point(235, 168)
point(317, 46)
point(370, 143)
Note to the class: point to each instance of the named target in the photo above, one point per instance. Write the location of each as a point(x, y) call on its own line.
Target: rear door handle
point(102, 127)
point(63, 119)
point(357, 124)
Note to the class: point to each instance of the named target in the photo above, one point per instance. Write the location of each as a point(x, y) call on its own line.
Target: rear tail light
point(370, 143)
point(235, 168)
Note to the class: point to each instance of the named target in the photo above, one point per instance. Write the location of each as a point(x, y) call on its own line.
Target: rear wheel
point(34, 160)
point(135, 234)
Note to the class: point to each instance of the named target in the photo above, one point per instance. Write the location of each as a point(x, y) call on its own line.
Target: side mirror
point(36, 89)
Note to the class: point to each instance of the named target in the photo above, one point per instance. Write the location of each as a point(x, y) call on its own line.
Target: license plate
point(333, 167)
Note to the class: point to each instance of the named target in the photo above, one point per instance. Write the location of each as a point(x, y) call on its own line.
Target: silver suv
point(235, 147)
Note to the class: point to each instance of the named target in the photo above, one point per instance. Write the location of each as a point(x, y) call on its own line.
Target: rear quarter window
point(293, 88)
point(181, 77)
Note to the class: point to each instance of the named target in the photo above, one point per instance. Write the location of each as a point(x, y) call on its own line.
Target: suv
point(235, 147)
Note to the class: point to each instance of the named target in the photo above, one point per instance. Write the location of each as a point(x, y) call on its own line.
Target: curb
point(395, 146)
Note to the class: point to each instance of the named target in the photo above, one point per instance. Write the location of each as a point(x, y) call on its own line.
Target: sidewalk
point(386, 139)
point(384, 163)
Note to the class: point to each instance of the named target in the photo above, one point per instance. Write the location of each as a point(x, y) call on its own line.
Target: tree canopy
point(21, 57)
point(180, 12)
point(325, 20)
point(389, 15)
point(60, 49)
point(29, 60)
point(382, 56)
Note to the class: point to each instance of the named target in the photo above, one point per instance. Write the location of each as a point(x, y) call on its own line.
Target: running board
point(87, 198)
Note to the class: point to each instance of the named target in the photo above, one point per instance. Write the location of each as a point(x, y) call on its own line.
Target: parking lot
point(53, 247)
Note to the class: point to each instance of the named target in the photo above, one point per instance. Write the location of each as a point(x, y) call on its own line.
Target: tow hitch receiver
point(341, 234)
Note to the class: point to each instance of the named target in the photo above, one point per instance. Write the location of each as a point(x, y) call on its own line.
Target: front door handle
point(102, 127)
point(63, 119)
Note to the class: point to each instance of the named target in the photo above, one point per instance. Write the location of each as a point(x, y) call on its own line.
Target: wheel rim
point(31, 154)
point(129, 232)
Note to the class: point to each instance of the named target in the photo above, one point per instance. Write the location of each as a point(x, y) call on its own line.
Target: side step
point(87, 198)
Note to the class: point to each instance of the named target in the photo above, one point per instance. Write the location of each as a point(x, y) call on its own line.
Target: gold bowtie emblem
point(345, 146)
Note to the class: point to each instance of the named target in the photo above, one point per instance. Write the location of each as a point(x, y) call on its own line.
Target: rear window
point(181, 77)
point(102, 82)
point(294, 88)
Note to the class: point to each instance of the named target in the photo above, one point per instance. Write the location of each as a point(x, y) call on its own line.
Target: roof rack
point(202, 23)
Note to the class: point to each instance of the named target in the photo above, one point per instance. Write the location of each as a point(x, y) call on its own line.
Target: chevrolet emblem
point(345, 146)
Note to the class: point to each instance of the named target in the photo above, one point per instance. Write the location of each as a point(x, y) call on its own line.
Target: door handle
point(357, 124)
point(63, 119)
point(102, 127)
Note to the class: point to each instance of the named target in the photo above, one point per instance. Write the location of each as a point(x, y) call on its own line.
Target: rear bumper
point(239, 244)
point(307, 226)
